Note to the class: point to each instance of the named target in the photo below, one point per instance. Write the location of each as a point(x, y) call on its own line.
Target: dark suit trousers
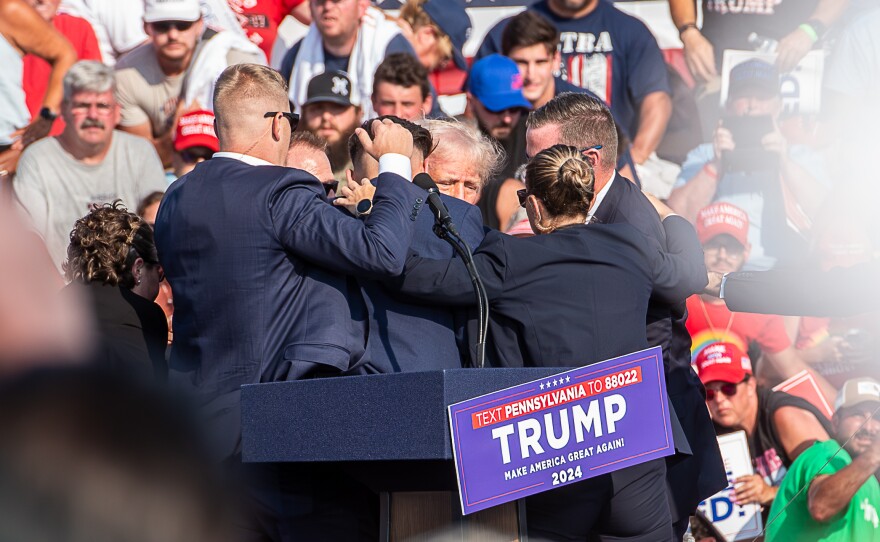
point(628, 505)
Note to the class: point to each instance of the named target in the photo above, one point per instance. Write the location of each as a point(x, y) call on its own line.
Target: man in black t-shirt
point(779, 426)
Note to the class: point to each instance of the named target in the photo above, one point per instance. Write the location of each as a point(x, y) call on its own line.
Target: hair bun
point(573, 172)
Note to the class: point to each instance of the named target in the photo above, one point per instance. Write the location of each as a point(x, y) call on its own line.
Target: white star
point(555, 382)
point(548, 384)
point(542, 385)
point(568, 379)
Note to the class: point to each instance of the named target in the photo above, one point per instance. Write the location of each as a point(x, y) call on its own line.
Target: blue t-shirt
point(398, 44)
point(608, 52)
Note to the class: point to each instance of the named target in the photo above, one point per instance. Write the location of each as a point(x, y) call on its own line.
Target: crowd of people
point(228, 214)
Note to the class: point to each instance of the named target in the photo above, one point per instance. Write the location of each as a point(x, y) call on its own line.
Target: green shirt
point(858, 522)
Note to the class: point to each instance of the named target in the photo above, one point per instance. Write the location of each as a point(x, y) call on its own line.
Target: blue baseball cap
point(496, 82)
point(451, 18)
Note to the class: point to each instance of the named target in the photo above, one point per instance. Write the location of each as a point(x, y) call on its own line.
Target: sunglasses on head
point(164, 26)
point(729, 389)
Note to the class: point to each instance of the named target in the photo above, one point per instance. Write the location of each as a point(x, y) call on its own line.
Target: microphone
point(441, 213)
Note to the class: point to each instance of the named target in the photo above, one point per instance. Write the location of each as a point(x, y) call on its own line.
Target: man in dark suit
point(257, 258)
point(408, 335)
point(584, 122)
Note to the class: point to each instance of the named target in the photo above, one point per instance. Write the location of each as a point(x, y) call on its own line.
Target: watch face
point(364, 206)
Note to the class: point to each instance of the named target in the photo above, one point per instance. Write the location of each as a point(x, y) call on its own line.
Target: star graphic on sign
point(568, 379)
point(555, 382)
point(542, 385)
point(548, 383)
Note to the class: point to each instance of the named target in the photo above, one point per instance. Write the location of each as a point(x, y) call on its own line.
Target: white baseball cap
point(171, 10)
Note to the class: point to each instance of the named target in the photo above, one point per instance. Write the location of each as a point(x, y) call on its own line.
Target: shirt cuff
point(395, 163)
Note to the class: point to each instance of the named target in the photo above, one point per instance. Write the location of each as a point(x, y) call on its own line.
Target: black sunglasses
point(292, 118)
point(164, 26)
point(728, 388)
point(523, 195)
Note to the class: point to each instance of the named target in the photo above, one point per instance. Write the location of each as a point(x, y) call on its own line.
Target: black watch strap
point(48, 114)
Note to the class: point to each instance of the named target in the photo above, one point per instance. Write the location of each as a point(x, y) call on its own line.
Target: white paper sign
point(801, 89)
point(734, 521)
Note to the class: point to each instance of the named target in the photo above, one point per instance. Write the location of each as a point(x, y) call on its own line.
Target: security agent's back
point(256, 258)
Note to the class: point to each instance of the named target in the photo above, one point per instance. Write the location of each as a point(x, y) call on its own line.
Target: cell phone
point(748, 131)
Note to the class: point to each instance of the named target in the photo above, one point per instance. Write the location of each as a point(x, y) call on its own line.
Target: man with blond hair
point(267, 238)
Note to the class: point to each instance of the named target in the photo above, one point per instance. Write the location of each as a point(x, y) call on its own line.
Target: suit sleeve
point(679, 270)
point(837, 292)
point(309, 227)
point(448, 281)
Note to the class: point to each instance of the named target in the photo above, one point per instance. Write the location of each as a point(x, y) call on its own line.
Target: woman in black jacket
point(112, 259)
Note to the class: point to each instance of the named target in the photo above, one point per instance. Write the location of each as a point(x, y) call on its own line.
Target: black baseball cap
point(333, 86)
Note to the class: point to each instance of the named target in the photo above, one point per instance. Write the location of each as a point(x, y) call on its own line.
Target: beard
point(339, 158)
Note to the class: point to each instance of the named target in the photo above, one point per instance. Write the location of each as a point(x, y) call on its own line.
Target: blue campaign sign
point(555, 431)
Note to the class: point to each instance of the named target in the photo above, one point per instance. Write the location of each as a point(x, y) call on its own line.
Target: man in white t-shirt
point(118, 24)
point(60, 178)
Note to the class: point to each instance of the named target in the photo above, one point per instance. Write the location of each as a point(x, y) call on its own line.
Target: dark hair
point(422, 139)
point(526, 29)
point(152, 197)
point(404, 70)
point(562, 179)
point(584, 121)
point(105, 243)
point(308, 139)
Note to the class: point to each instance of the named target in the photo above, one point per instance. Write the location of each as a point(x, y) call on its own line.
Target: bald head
point(244, 93)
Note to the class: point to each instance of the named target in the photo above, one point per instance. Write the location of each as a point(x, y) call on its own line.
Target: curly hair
point(105, 243)
point(561, 178)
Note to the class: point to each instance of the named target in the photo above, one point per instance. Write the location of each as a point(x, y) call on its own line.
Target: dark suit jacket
point(410, 335)
point(570, 298)
point(691, 478)
point(805, 292)
point(256, 257)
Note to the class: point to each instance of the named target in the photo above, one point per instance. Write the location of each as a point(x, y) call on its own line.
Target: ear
point(277, 127)
point(147, 29)
point(746, 251)
point(557, 61)
point(137, 268)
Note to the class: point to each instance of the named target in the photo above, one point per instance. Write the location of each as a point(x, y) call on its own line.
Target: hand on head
point(388, 138)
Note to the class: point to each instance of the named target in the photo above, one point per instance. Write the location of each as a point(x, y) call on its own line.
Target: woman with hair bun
point(113, 259)
point(572, 295)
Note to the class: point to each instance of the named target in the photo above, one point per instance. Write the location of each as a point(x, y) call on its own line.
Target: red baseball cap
point(723, 362)
point(196, 129)
point(723, 218)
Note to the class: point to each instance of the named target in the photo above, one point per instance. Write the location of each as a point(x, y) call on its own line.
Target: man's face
point(91, 116)
point(403, 102)
point(536, 65)
point(538, 139)
point(498, 124)
point(330, 121)
point(338, 19)
point(755, 105)
point(731, 410)
point(724, 254)
point(456, 177)
point(848, 423)
point(46, 8)
point(174, 40)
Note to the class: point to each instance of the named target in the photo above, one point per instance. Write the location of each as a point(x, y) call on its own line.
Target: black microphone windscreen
point(424, 181)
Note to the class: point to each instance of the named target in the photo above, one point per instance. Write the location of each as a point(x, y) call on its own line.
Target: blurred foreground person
point(86, 455)
point(830, 492)
point(112, 258)
point(533, 323)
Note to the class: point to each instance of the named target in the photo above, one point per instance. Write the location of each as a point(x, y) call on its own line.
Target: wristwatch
point(364, 207)
point(48, 114)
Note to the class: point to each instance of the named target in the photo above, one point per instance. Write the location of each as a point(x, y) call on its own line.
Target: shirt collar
point(247, 159)
point(597, 201)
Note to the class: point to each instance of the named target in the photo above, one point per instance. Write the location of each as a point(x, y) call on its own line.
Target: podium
point(391, 432)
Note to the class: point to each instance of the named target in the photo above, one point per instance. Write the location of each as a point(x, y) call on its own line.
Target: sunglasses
point(522, 194)
point(728, 389)
point(292, 118)
point(164, 26)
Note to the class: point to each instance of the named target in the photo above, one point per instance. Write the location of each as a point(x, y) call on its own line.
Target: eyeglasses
point(292, 118)
point(729, 389)
point(86, 107)
point(732, 248)
point(523, 195)
point(164, 26)
point(593, 148)
point(330, 186)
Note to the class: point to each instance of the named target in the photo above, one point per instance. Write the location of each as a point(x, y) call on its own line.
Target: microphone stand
point(464, 251)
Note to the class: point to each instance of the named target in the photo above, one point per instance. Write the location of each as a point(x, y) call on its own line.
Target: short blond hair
point(241, 83)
